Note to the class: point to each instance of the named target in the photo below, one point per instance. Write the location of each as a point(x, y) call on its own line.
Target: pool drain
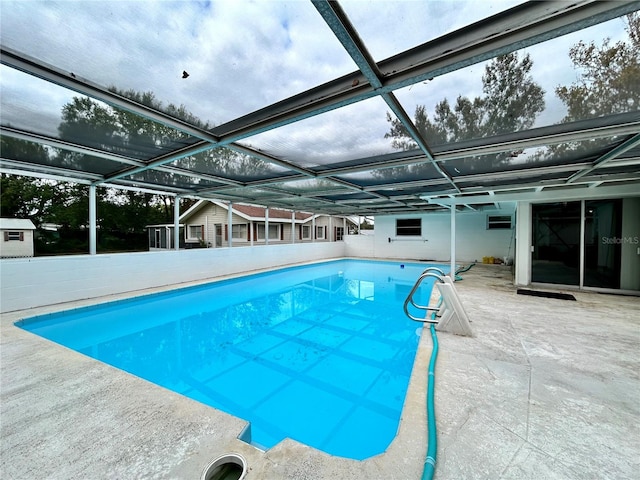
point(227, 467)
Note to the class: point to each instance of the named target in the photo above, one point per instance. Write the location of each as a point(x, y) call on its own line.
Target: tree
point(26, 197)
point(609, 80)
point(511, 101)
point(608, 83)
point(89, 122)
point(122, 214)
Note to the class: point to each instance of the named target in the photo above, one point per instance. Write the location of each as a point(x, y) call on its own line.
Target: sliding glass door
point(589, 243)
point(603, 243)
point(555, 256)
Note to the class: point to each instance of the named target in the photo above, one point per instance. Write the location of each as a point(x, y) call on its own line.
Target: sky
point(245, 55)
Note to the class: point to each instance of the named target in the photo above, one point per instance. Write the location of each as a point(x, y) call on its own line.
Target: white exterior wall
point(473, 240)
point(362, 246)
point(67, 278)
point(208, 216)
point(17, 248)
point(323, 221)
point(630, 271)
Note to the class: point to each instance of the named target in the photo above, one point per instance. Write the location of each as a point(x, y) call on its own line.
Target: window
point(274, 231)
point(306, 232)
point(498, 221)
point(408, 227)
point(195, 231)
point(320, 232)
point(239, 231)
point(10, 236)
point(339, 234)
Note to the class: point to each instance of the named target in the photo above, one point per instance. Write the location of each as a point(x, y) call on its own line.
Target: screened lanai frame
point(255, 158)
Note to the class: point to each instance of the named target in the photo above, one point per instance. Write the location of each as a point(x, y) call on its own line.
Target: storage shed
point(16, 237)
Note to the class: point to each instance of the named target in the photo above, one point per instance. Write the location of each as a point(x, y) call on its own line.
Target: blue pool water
point(319, 353)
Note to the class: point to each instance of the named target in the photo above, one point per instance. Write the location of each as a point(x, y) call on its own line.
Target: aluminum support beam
point(556, 195)
point(516, 28)
point(229, 225)
point(176, 223)
point(93, 218)
point(293, 227)
point(607, 157)
point(69, 80)
point(452, 266)
point(519, 27)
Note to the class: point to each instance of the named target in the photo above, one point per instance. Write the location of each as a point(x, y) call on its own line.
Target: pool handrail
point(429, 272)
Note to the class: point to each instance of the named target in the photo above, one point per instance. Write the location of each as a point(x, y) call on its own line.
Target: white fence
point(33, 282)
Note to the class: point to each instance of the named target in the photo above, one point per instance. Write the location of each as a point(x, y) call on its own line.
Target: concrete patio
point(546, 388)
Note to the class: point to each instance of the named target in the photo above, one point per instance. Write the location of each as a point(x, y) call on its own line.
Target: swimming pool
point(319, 353)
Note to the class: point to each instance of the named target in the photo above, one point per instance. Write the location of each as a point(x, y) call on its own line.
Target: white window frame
point(306, 232)
point(499, 222)
point(239, 231)
point(320, 232)
point(274, 231)
point(194, 229)
point(409, 230)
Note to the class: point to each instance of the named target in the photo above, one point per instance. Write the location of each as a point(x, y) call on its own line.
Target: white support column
point(330, 232)
point(582, 244)
point(452, 274)
point(205, 234)
point(92, 220)
point(266, 226)
point(293, 227)
point(251, 230)
point(344, 227)
point(230, 225)
point(313, 228)
point(523, 243)
point(176, 223)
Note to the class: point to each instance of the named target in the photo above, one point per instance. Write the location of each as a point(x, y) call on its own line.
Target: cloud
point(31, 104)
point(351, 132)
point(389, 27)
point(242, 56)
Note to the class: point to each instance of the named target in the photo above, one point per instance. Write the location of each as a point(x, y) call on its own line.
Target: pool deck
point(546, 388)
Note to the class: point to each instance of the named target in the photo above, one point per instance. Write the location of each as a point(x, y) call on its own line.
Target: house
point(16, 237)
point(206, 224)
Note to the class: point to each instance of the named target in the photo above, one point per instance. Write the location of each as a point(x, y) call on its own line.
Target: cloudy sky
point(244, 55)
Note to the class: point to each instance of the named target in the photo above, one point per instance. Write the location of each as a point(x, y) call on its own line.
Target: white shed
point(16, 237)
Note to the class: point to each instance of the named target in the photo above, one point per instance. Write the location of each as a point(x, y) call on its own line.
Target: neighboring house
point(16, 237)
point(206, 224)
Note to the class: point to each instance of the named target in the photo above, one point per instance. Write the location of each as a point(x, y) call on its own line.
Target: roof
point(321, 106)
point(256, 213)
point(16, 224)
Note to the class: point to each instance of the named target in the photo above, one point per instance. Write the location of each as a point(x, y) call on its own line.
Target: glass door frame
point(582, 257)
